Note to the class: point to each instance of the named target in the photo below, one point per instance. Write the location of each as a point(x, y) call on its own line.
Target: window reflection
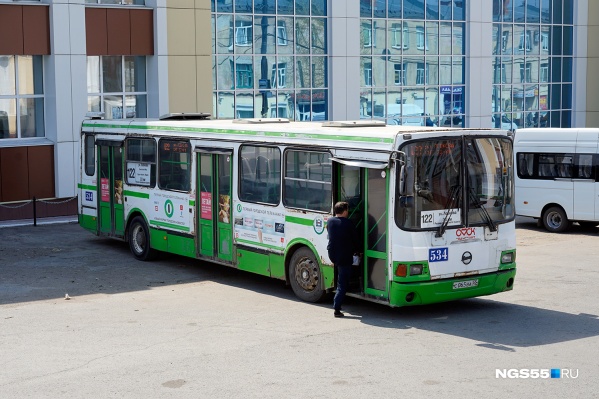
point(269, 57)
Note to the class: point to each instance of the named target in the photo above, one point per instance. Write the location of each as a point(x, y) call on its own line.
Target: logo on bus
point(318, 224)
point(465, 233)
point(169, 208)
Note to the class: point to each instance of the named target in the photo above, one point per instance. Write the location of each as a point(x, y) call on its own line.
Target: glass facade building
point(413, 62)
point(270, 59)
point(533, 44)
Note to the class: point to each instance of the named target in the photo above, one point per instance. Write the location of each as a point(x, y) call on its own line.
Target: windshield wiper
point(454, 198)
point(482, 210)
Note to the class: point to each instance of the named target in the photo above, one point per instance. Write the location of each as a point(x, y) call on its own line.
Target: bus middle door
point(214, 224)
point(111, 219)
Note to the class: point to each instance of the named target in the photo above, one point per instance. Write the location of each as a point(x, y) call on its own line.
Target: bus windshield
point(455, 182)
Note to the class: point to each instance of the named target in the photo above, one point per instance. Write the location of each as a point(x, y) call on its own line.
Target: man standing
point(343, 243)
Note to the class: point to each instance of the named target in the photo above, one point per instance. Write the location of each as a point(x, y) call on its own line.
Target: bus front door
point(366, 192)
point(111, 220)
point(213, 213)
point(375, 234)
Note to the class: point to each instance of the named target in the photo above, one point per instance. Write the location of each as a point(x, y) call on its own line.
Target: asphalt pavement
point(81, 318)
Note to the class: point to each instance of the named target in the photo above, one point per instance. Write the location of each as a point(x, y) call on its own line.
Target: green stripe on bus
point(87, 187)
point(366, 139)
point(169, 225)
point(192, 203)
point(296, 220)
point(136, 194)
point(262, 245)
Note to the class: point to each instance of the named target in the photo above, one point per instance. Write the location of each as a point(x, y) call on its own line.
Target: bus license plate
point(465, 284)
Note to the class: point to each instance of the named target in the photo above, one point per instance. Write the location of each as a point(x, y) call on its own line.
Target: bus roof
point(360, 134)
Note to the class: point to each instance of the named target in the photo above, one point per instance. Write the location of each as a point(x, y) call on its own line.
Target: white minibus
point(557, 180)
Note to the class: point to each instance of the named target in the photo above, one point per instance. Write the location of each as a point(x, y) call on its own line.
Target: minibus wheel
point(139, 240)
point(305, 276)
point(555, 220)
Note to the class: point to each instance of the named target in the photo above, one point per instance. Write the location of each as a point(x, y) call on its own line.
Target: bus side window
point(585, 166)
point(174, 159)
point(525, 164)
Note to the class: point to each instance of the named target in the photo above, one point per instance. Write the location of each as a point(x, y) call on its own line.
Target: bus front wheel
point(305, 276)
point(555, 220)
point(139, 240)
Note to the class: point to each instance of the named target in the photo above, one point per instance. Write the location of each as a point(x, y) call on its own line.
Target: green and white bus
point(434, 206)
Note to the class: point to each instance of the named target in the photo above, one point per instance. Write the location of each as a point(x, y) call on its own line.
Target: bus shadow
point(495, 325)
point(49, 262)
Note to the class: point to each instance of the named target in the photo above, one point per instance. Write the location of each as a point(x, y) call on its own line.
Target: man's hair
point(341, 207)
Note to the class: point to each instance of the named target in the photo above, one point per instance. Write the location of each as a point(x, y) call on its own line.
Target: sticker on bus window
point(438, 254)
point(430, 219)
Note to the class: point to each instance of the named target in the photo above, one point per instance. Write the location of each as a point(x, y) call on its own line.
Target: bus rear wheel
point(139, 240)
point(305, 276)
point(555, 220)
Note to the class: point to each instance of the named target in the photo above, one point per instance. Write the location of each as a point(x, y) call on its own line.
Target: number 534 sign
point(438, 254)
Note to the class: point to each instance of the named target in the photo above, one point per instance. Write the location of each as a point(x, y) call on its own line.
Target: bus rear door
point(214, 224)
point(111, 219)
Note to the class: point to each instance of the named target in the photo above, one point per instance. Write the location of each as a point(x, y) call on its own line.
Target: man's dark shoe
point(338, 313)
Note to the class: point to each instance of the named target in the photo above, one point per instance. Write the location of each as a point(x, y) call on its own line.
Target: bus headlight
point(508, 257)
point(415, 270)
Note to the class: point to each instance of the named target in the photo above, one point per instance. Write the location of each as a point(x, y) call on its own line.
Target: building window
point(421, 38)
point(421, 73)
point(544, 73)
point(545, 41)
point(279, 72)
point(243, 33)
point(116, 86)
point(367, 36)
point(399, 36)
point(525, 72)
point(281, 33)
point(244, 76)
point(368, 74)
point(21, 96)
point(504, 73)
point(505, 37)
point(525, 41)
point(400, 74)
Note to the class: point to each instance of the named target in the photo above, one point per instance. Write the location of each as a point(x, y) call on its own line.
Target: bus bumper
point(409, 294)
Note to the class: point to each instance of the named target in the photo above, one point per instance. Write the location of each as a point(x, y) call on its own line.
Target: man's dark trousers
point(343, 275)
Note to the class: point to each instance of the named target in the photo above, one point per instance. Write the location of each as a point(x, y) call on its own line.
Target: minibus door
point(214, 224)
point(585, 191)
point(111, 219)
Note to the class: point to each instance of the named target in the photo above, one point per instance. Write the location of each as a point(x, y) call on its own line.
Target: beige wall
point(592, 101)
point(189, 55)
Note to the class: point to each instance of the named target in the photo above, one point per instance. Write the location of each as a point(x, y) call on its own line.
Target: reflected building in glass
point(270, 59)
point(408, 62)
